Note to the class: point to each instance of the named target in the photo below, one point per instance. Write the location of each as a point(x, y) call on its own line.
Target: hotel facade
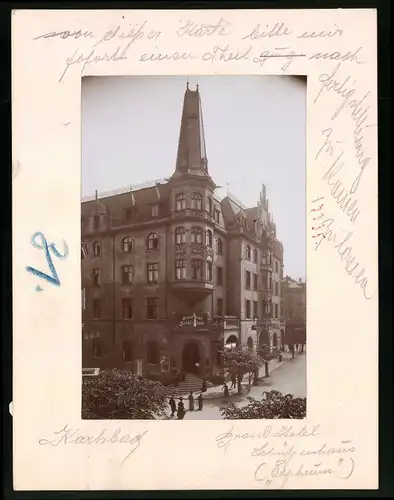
point(171, 274)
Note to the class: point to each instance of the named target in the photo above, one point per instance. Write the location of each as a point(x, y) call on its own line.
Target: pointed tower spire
point(192, 158)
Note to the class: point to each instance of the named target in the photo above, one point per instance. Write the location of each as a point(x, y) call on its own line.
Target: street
point(290, 378)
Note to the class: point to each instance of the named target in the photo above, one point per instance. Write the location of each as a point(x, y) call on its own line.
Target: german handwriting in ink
point(40, 242)
point(318, 209)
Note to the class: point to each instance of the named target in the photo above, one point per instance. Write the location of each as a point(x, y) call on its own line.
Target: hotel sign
point(193, 320)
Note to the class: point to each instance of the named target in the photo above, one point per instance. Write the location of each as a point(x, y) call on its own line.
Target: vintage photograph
point(193, 247)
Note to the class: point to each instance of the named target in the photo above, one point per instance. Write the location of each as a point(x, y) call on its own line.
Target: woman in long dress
point(191, 401)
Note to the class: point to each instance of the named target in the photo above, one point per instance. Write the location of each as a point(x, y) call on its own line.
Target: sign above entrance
point(193, 320)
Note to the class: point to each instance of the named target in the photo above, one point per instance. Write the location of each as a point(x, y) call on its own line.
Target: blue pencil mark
point(52, 278)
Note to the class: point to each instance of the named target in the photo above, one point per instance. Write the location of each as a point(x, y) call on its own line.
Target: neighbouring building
point(294, 310)
point(171, 274)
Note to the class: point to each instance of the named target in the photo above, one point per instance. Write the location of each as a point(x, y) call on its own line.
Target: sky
point(255, 133)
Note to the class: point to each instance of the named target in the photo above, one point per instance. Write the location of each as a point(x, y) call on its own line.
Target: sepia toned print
point(188, 311)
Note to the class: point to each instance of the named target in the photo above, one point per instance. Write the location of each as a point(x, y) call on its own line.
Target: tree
point(240, 361)
point(267, 354)
point(119, 394)
point(273, 405)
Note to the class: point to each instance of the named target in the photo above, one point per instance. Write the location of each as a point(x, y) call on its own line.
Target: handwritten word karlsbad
point(70, 436)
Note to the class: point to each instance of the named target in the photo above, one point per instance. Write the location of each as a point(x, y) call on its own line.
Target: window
point(255, 309)
point(219, 275)
point(217, 215)
point(129, 214)
point(153, 242)
point(180, 235)
point(96, 348)
point(180, 202)
point(152, 271)
point(197, 201)
point(96, 249)
point(276, 267)
point(209, 200)
point(127, 275)
point(196, 235)
point(276, 311)
point(247, 313)
point(127, 244)
point(196, 269)
point(219, 307)
point(152, 307)
point(154, 210)
point(269, 283)
point(152, 353)
point(247, 280)
point(96, 274)
point(127, 308)
point(281, 311)
point(270, 259)
point(219, 246)
point(127, 351)
point(96, 222)
point(180, 269)
point(254, 281)
point(247, 252)
point(96, 309)
point(255, 255)
point(209, 271)
point(276, 288)
point(209, 238)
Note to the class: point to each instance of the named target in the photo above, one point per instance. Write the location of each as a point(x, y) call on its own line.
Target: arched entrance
point(263, 339)
point(232, 340)
point(191, 356)
point(250, 344)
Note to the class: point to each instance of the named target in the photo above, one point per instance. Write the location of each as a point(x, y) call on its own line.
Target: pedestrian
point(181, 409)
point(191, 401)
point(200, 402)
point(204, 386)
point(225, 388)
point(172, 406)
point(233, 382)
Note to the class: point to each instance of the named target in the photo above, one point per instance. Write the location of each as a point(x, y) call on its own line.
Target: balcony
point(194, 250)
point(193, 213)
point(191, 291)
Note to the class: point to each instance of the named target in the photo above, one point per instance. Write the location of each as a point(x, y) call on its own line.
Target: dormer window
point(96, 222)
point(197, 201)
point(129, 214)
point(180, 202)
point(154, 210)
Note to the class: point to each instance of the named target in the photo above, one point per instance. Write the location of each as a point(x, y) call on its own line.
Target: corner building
point(171, 273)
